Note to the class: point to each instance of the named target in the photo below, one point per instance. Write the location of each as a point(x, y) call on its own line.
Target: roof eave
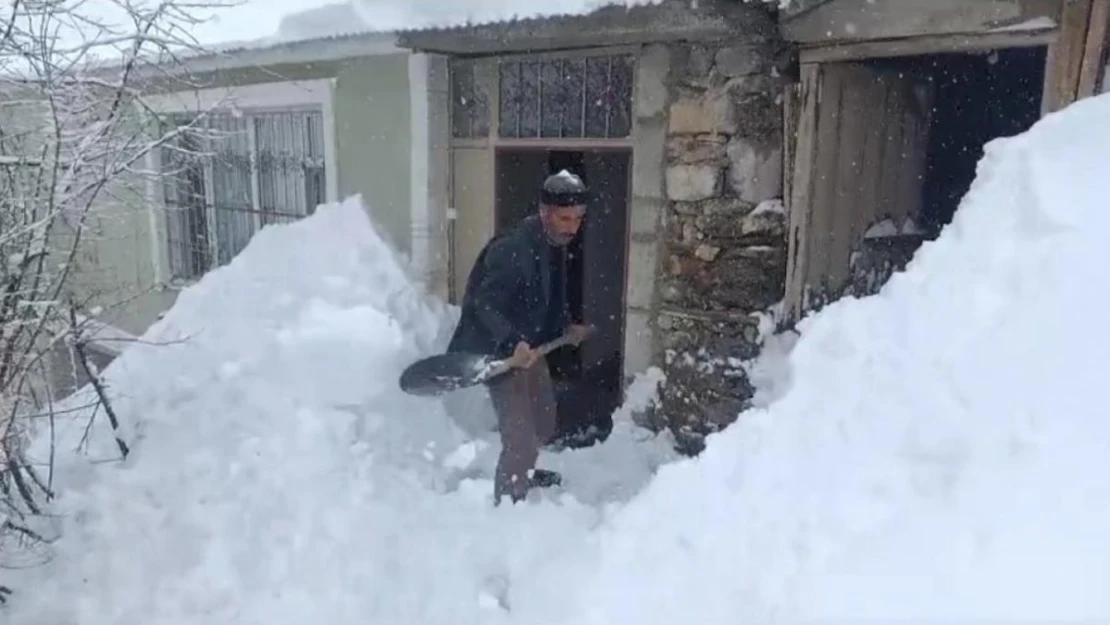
point(319, 50)
point(610, 26)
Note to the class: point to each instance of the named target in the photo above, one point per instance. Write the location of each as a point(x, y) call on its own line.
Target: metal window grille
point(567, 98)
point(228, 176)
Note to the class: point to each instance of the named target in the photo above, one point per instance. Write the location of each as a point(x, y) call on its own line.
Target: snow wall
point(941, 455)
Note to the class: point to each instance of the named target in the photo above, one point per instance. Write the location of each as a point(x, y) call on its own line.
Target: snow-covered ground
point(280, 475)
point(940, 452)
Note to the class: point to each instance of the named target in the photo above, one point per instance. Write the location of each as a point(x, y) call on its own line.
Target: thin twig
point(79, 346)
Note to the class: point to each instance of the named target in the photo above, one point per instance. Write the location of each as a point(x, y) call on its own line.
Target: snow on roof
point(936, 454)
point(260, 25)
point(292, 21)
point(315, 21)
point(431, 14)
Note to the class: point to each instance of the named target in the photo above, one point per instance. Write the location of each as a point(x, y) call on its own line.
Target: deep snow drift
point(280, 476)
point(941, 452)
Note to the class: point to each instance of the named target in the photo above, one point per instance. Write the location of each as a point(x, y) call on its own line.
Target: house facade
point(749, 164)
point(285, 128)
point(673, 116)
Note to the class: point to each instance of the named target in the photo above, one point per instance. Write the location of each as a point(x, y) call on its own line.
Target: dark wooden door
point(860, 157)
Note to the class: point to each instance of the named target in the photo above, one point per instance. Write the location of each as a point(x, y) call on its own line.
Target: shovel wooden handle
point(503, 366)
point(551, 346)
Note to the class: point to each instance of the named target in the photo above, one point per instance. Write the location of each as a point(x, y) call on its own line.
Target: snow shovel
point(444, 373)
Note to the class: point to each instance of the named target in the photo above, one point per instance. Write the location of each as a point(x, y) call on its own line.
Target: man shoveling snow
point(516, 300)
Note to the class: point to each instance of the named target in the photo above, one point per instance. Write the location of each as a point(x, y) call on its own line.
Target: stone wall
point(720, 240)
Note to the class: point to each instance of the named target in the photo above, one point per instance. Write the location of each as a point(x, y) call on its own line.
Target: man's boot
point(542, 478)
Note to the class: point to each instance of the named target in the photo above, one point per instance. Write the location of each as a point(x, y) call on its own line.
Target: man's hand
point(523, 356)
point(579, 333)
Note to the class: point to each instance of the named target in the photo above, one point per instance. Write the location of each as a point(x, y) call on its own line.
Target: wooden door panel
point(472, 197)
point(860, 158)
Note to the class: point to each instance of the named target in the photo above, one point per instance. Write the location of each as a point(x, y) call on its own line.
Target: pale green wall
point(112, 263)
point(373, 132)
point(372, 118)
point(115, 266)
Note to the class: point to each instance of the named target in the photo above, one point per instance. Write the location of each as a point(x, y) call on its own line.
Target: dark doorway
point(588, 379)
point(979, 97)
point(886, 153)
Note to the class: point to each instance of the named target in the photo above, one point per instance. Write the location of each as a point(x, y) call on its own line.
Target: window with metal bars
point(566, 98)
point(470, 106)
point(229, 175)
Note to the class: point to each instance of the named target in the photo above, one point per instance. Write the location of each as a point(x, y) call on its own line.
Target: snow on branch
point(73, 129)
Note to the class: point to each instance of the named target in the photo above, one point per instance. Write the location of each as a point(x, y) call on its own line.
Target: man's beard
point(559, 240)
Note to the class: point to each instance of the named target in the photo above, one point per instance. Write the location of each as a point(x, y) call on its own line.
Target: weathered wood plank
point(801, 190)
point(844, 204)
point(1065, 57)
point(872, 154)
point(870, 20)
point(825, 166)
point(933, 44)
point(791, 109)
point(1095, 49)
point(869, 144)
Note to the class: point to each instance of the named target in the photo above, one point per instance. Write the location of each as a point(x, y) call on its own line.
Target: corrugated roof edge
point(266, 45)
point(519, 21)
point(231, 55)
point(658, 21)
point(233, 47)
point(272, 51)
point(260, 53)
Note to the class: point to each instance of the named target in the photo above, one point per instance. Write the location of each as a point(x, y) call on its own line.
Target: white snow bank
point(942, 455)
point(278, 475)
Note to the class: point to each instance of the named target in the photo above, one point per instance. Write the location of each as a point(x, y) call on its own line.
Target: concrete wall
point(429, 156)
point(374, 129)
point(373, 121)
point(113, 268)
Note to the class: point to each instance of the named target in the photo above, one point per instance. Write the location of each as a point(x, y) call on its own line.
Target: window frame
point(485, 73)
point(579, 68)
point(272, 97)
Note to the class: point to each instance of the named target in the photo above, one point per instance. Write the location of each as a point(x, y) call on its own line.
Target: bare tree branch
point(75, 128)
point(101, 390)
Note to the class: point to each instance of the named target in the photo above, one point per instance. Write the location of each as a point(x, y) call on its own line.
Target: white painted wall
point(430, 130)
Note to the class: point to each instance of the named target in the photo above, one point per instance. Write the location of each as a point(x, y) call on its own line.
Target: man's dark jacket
point(508, 295)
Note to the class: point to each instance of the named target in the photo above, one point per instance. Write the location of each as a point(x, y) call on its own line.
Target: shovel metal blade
point(443, 373)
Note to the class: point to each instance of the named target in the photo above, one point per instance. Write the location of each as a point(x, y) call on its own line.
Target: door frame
point(800, 140)
point(593, 146)
point(811, 196)
point(487, 72)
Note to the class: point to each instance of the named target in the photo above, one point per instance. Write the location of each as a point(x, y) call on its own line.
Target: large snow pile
point(943, 454)
point(278, 475)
